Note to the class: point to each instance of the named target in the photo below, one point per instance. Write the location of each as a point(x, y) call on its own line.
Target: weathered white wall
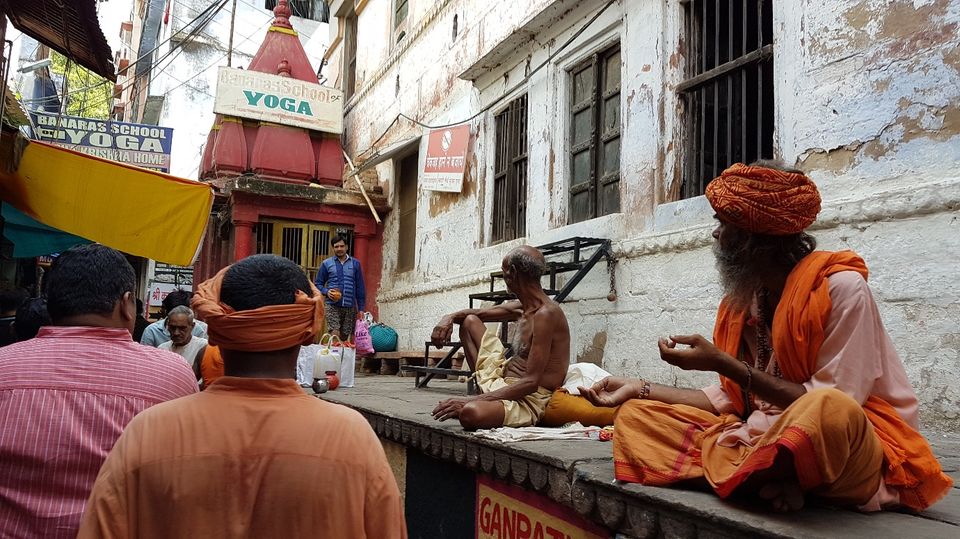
point(189, 80)
point(868, 102)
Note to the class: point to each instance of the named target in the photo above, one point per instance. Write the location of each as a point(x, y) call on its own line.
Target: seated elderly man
point(812, 397)
point(253, 455)
point(516, 389)
point(180, 325)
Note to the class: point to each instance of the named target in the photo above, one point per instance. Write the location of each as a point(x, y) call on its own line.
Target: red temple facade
point(280, 188)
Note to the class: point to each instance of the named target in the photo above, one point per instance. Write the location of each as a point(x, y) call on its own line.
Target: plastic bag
point(348, 365)
point(384, 338)
point(305, 364)
point(361, 335)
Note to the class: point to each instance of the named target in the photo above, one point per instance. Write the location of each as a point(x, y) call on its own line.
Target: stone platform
point(579, 475)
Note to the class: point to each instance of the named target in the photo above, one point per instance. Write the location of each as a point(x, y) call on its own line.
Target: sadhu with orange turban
point(811, 400)
point(290, 325)
point(253, 439)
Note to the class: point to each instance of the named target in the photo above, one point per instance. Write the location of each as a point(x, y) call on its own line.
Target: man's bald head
point(527, 262)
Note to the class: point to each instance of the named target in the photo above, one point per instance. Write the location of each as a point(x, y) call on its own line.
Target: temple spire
point(282, 14)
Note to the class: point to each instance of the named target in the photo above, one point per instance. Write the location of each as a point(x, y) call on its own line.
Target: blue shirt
point(346, 276)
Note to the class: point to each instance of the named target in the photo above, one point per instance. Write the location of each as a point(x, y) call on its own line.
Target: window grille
point(399, 13)
point(407, 212)
point(510, 172)
point(350, 56)
point(595, 135)
point(728, 92)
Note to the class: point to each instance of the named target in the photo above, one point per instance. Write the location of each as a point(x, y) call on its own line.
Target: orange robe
point(211, 366)
point(246, 458)
point(843, 449)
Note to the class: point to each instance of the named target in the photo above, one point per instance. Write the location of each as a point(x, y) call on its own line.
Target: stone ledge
point(579, 475)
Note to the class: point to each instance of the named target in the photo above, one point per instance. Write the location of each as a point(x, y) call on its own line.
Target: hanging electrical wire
point(150, 53)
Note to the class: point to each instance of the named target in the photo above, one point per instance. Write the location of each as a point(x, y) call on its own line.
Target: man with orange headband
point(812, 397)
point(253, 455)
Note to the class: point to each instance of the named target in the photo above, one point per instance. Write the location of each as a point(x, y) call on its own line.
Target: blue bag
point(384, 337)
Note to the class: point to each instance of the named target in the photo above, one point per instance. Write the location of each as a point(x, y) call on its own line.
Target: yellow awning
point(134, 210)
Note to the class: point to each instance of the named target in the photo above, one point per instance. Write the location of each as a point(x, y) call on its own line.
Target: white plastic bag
point(582, 374)
point(348, 364)
point(305, 364)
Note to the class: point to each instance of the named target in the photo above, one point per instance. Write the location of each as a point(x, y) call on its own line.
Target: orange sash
point(798, 334)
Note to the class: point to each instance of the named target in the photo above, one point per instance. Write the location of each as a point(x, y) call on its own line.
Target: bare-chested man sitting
point(516, 389)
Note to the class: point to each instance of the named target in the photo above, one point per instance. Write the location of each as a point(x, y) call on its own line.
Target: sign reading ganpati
point(280, 100)
point(504, 510)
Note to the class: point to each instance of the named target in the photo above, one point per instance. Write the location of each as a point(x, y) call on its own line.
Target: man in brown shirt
point(252, 456)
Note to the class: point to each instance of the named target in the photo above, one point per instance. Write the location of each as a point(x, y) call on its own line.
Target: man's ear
point(128, 306)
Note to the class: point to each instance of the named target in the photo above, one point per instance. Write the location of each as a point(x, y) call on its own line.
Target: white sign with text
point(279, 100)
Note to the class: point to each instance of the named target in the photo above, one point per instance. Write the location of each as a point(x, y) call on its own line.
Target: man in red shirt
point(66, 395)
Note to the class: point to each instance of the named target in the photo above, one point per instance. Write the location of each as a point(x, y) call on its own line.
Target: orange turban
point(269, 328)
point(764, 200)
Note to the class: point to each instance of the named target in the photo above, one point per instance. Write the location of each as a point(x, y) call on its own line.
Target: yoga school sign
point(280, 100)
point(146, 146)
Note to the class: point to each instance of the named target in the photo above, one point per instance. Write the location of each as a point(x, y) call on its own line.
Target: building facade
point(607, 118)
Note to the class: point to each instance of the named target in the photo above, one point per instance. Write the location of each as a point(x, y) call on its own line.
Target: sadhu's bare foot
point(784, 496)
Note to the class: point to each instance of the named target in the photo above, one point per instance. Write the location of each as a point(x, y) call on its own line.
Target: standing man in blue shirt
point(340, 280)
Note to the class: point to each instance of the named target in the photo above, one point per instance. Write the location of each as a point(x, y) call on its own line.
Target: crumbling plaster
point(867, 99)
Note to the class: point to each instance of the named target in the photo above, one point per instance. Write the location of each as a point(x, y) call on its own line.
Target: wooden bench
point(393, 362)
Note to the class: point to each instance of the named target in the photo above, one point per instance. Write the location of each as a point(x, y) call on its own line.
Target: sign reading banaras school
point(146, 146)
point(276, 99)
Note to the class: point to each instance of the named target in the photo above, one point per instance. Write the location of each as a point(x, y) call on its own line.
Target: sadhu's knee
point(833, 399)
point(471, 417)
point(836, 405)
point(471, 320)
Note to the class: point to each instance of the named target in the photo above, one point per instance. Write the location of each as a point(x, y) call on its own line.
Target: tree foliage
point(88, 94)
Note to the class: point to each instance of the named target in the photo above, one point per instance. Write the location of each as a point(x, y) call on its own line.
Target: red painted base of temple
point(227, 242)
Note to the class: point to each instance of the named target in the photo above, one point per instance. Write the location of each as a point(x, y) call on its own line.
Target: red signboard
point(504, 510)
point(446, 159)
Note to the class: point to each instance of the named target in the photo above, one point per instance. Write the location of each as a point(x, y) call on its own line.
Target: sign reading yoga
point(276, 99)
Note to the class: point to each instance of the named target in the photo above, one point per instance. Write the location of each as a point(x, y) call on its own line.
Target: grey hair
point(527, 264)
point(180, 309)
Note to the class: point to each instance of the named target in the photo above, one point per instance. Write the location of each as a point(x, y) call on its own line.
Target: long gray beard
point(740, 276)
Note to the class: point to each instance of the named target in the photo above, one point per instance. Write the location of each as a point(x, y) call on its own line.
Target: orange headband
point(269, 328)
point(764, 200)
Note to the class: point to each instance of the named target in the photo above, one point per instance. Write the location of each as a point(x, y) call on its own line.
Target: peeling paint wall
point(867, 101)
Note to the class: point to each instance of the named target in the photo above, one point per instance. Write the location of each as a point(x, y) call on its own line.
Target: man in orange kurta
point(253, 455)
point(812, 398)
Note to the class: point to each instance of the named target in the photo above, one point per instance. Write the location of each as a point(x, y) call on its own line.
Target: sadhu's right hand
point(442, 332)
point(611, 391)
point(334, 294)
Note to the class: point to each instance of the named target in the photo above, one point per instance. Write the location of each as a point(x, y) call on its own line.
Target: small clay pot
point(333, 381)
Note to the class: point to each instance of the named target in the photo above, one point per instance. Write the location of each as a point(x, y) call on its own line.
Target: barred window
point(510, 172)
point(595, 136)
point(399, 12)
point(407, 212)
point(728, 92)
point(350, 55)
